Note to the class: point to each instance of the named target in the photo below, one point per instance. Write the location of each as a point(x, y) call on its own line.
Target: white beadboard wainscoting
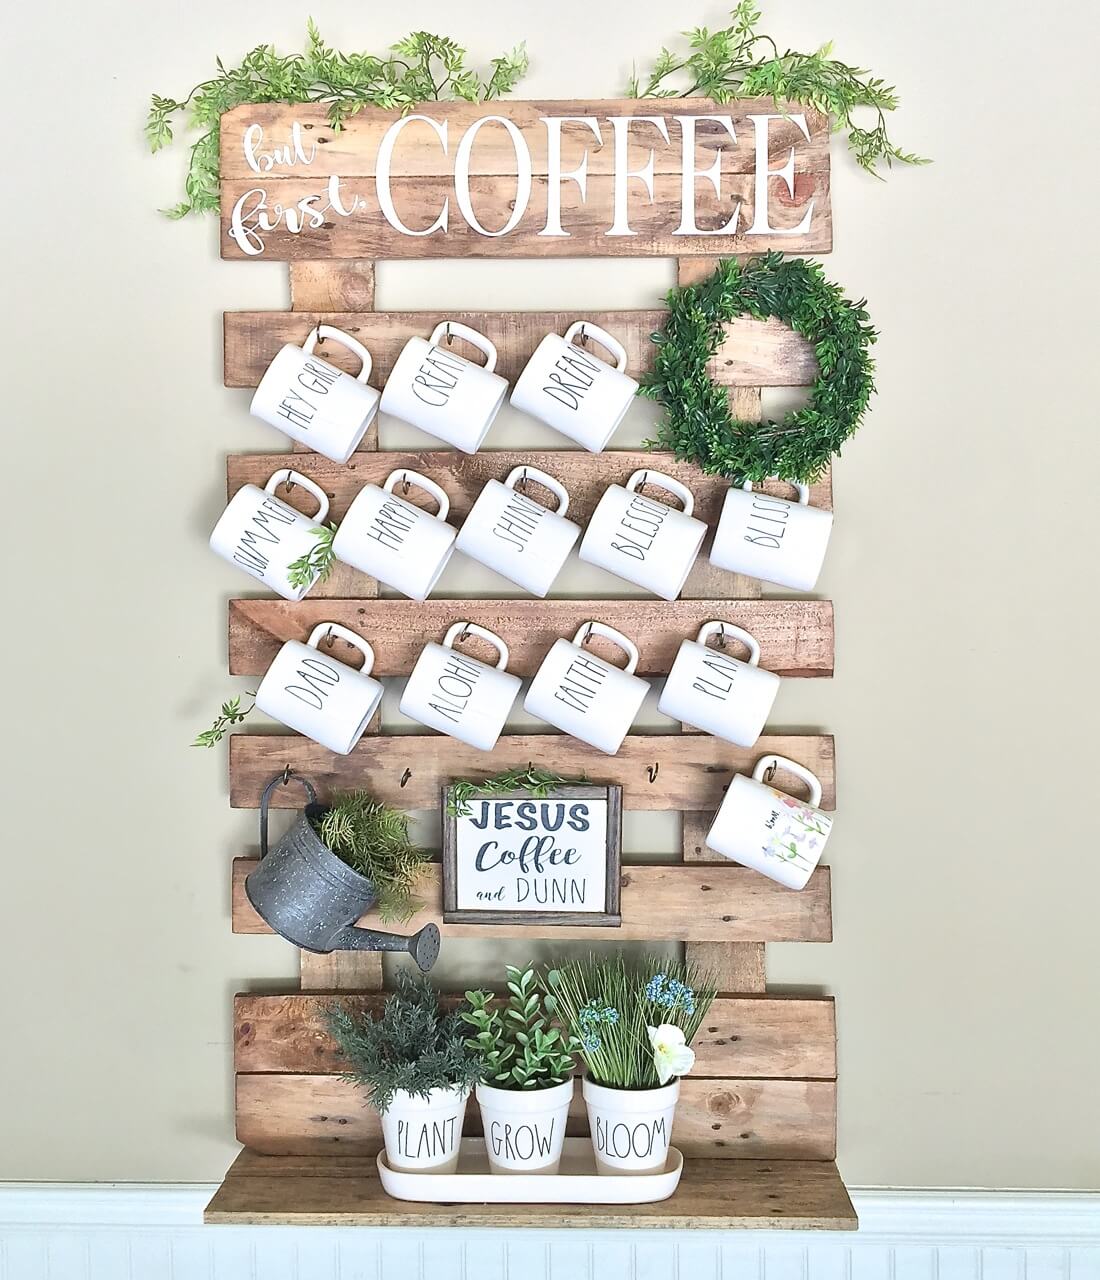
point(148, 1232)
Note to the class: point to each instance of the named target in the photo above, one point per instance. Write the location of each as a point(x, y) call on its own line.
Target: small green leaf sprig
point(516, 1041)
point(230, 714)
point(539, 782)
point(316, 565)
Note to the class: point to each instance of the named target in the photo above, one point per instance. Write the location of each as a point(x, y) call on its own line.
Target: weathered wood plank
point(345, 286)
point(712, 902)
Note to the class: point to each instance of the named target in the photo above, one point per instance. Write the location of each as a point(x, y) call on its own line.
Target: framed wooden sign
point(515, 858)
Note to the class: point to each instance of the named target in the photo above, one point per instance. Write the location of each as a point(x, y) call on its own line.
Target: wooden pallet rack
point(757, 1118)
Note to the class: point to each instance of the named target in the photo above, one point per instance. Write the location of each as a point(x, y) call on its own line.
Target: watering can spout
point(422, 946)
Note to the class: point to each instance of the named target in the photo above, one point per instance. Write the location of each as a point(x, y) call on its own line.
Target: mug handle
point(641, 478)
point(422, 482)
point(589, 629)
point(324, 629)
point(803, 490)
point(800, 771)
point(588, 330)
point(518, 474)
point(709, 629)
point(282, 779)
point(461, 630)
point(452, 329)
point(342, 339)
point(290, 479)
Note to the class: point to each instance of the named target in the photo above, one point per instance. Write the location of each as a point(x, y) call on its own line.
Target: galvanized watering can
point(312, 898)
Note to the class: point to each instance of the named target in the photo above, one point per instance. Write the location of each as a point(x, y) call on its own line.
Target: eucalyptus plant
point(516, 1040)
point(537, 782)
point(316, 564)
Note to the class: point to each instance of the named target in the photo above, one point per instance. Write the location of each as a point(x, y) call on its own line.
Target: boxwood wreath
point(699, 427)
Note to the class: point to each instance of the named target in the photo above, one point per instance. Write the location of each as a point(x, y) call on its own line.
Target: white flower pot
point(524, 1128)
point(631, 1129)
point(422, 1133)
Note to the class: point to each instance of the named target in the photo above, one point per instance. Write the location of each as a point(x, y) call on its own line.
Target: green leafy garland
point(698, 426)
point(539, 782)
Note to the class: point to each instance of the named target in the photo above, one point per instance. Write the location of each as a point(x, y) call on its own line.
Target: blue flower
point(610, 1016)
point(654, 988)
point(591, 1042)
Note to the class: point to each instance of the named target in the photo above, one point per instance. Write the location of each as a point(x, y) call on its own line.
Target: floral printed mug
point(768, 830)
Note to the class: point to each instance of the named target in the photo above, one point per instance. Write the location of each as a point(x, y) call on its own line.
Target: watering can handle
point(279, 779)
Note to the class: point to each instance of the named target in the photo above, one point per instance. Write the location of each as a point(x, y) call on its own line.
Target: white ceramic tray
point(577, 1181)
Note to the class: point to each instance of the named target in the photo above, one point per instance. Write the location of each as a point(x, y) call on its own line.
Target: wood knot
point(723, 1103)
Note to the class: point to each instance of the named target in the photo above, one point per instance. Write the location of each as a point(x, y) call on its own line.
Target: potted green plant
point(635, 1024)
point(416, 1069)
point(527, 1075)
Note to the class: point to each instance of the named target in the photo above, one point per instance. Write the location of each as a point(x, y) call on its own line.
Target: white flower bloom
point(672, 1056)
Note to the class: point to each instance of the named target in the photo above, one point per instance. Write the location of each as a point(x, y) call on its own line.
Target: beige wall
point(966, 881)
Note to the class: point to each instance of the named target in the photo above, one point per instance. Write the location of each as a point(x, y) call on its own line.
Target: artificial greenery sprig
point(229, 715)
point(738, 61)
point(515, 1039)
point(538, 782)
point(316, 565)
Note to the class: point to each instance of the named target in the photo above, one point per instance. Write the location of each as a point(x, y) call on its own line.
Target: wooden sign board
point(516, 858)
point(647, 178)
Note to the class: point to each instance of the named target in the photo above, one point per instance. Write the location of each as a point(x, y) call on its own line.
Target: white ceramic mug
point(771, 538)
point(573, 391)
point(402, 545)
point(522, 540)
point(264, 535)
point(313, 401)
point(712, 690)
point(459, 695)
point(441, 392)
point(326, 700)
point(583, 695)
point(768, 830)
point(644, 541)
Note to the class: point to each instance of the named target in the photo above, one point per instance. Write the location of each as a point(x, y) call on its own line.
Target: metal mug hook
point(330, 638)
point(405, 485)
point(587, 634)
point(769, 772)
point(287, 772)
point(653, 770)
point(447, 334)
point(405, 777)
point(583, 333)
